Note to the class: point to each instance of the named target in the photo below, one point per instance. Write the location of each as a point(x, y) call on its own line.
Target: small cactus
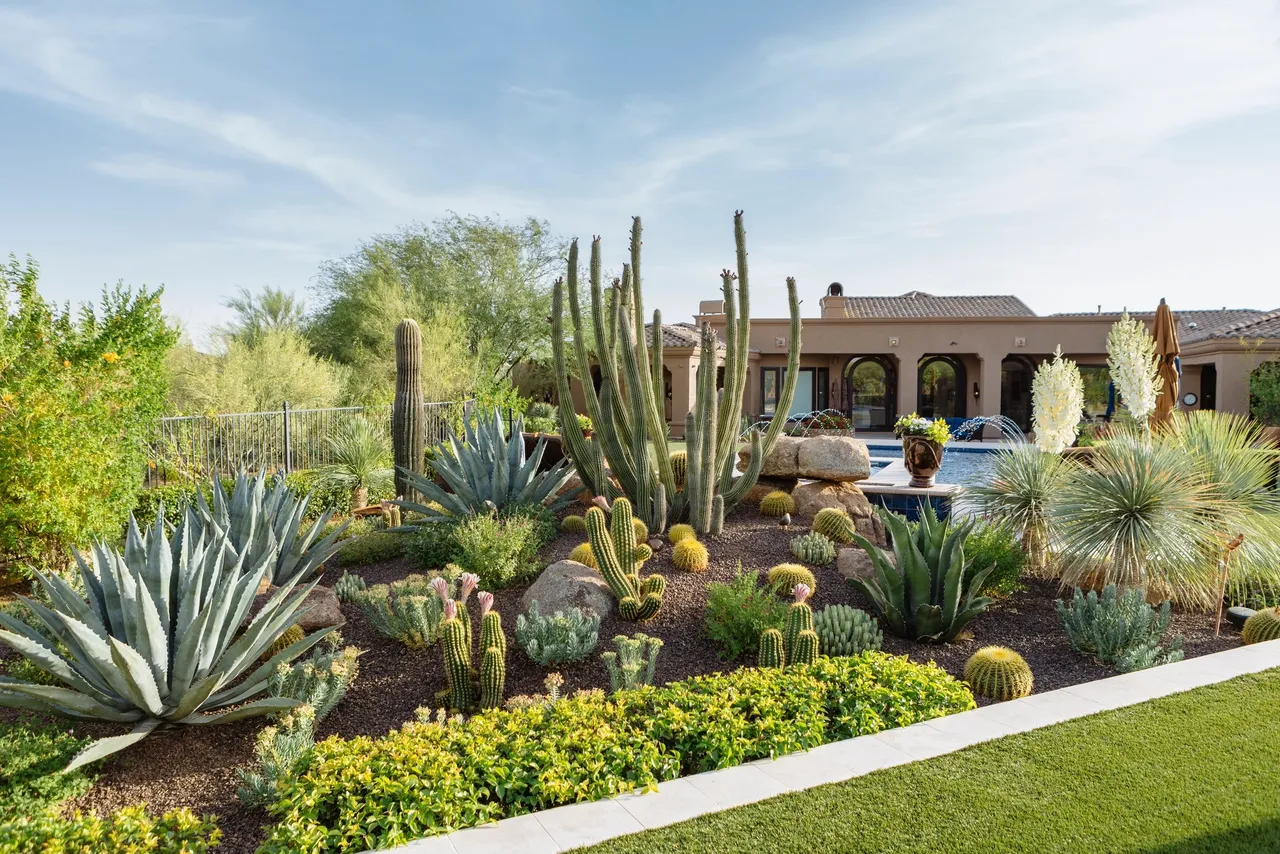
point(680, 532)
point(680, 469)
point(582, 554)
point(287, 638)
point(998, 673)
point(573, 524)
point(806, 649)
point(633, 664)
point(643, 552)
point(814, 548)
point(834, 524)
point(616, 555)
point(785, 576)
point(799, 621)
point(1262, 626)
point(457, 658)
point(349, 587)
point(690, 555)
point(845, 630)
point(777, 504)
point(642, 530)
point(772, 653)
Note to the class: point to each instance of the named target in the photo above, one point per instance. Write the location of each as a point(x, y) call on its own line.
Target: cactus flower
point(450, 610)
point(441, 587)
point(467, 583)
point(601, 502)
point(801, 591)
point(486, 601)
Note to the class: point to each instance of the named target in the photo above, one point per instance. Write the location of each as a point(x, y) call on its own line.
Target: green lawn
point(1195, 772)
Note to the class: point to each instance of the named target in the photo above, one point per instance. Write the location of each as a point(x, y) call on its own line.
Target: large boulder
point(837, 458)
point(319, 610)
point(853, 562)
point(568, 584)
point(763, 486)
point(782, 461)
point(873, 529)
point(815, 495)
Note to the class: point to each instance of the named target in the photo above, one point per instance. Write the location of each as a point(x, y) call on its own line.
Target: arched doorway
point(1016, 373)
point(871, 383)
point(941, 384)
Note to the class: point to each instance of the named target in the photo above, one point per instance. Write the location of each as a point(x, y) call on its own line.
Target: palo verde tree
point(627, 412)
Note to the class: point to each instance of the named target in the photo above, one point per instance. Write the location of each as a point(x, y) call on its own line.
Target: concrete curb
point(574, 825)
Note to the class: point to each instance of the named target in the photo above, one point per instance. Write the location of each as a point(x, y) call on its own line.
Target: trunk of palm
point(359, 497)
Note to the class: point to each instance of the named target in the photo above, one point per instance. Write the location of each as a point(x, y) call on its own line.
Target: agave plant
point(361, 461)
point(489, 471)
point(262, 518)
point(159, 638)
point(1025, 482)
point(924, 594)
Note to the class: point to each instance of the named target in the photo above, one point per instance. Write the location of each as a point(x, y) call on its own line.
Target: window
point(771, 385)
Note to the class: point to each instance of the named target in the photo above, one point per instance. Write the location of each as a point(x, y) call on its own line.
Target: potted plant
point(924, 441)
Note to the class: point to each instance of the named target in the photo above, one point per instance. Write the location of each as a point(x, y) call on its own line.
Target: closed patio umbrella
point(1166, 335)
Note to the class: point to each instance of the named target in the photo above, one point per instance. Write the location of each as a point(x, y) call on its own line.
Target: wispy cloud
point(147, 169)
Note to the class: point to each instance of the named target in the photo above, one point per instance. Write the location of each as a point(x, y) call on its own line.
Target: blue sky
point(1070, 153)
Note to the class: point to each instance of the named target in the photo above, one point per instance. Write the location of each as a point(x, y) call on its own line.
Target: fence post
point(287, 448)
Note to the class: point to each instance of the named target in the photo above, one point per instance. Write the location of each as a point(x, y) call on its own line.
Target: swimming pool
point(967, 466)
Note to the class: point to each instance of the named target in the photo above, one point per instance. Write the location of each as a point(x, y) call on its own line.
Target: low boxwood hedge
point(434, 777)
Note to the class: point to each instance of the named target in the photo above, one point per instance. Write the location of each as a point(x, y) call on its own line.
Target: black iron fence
point(197, 446)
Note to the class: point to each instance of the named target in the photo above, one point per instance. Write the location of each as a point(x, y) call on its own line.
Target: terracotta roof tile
point(920, 304)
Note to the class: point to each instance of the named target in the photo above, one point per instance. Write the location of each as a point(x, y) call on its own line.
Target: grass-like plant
point(1025, 483)
point(361, 461)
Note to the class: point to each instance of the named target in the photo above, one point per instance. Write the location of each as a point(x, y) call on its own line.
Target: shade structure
point(1166, 335)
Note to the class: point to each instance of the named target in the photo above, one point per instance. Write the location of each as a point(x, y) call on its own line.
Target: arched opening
point(666, 392)
point(1016, 373)
point(872, 385)
point(941, 385)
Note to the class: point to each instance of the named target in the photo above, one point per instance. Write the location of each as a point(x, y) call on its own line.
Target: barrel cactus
point(290, 636)
point(583, 555)
point(814, 548)
point(998, 673)
point(690, 555)
point(845, 630)
point(680, 532)
point(785, 576)
point(573, 525)
point(777, 504)
point(834, 524)
point(408, 409)
point(1262, 626)
point(642, 530)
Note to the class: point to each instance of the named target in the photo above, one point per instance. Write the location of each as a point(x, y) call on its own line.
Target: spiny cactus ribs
point(690, 555)
point(834, 524)
point(1262, 626)
point(785, 576)
point(777, 504)
point(408, 410)
point(998, 673)
point(613, 545)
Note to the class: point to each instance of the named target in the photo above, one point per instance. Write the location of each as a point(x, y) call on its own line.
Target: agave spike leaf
point(136, 672)
point(65, 599)
point(93, 591)
point(70, 702)
point(929, 625)
point(86, 647)
point(44, 655)
point(265, 706)
point(106, 746)
point(258, 678)
point(260, 633)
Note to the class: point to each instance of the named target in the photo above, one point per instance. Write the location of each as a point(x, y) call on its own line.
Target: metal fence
point(287, 439)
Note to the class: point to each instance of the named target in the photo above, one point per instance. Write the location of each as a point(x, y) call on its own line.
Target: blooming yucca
point(1131, 358)
point(1057, 397)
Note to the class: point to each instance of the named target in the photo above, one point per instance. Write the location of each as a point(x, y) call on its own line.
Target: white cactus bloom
point(1057, 399)
point(1131, 357)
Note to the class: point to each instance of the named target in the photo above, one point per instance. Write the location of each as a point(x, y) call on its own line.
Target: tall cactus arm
point(584, 453)
point(638, 407)
point(647, 386)
point(726, 441)
point(738, 356)
point(655, 355)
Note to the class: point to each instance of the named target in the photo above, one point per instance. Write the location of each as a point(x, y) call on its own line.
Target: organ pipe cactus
point(628, 412)
point(161, 636)
point(613, 544)
point(408, 409)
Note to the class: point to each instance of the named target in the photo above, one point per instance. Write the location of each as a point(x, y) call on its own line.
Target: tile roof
point(679, 335)
point(1203, 324)
point(1258, 324)
point(920, 304)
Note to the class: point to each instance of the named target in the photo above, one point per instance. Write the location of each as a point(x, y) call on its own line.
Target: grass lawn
point(1195, 772)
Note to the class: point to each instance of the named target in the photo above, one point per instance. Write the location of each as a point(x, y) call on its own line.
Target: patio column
point(989, 388)
point(683, 373)
point(908, 382)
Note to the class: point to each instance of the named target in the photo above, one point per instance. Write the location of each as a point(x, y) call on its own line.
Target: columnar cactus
point(777, 504)
point(408, 411)
point(613, 544)
point(680, 469)
point(998, 673)
point(1262, 626)
point(834, 524)
point(772, 653)
point(493, 662)
point(457, 658)
point(628, 412)
point(799, 619)
point(805, 650)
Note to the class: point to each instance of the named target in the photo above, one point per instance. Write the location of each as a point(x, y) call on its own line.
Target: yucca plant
point(361, 461)
point(159, 638)
point(926, 595)
point(1025, 482)
point(262, 518)
point(488, 471)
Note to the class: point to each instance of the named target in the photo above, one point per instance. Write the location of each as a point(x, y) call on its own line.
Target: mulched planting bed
point(195, 766)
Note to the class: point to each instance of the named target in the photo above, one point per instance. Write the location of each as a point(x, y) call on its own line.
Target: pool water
point(967, 466)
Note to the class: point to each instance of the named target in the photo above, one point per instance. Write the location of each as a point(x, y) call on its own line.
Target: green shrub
point(130, 830)
point(739, 611)
point(1120, 629)
point(31, 755)
point(80, 394)
point(172, 496)
point(500, 551)
point(997, 545)
point(434, 777)
point(432, 546)
point(371, 548)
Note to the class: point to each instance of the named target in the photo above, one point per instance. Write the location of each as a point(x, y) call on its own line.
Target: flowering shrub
point(433, 777)
point(935, 430)
point(80, 394)
point(1057, 400)
point(1131, 358)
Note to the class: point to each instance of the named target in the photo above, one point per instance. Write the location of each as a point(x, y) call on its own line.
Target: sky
point(1071, 153)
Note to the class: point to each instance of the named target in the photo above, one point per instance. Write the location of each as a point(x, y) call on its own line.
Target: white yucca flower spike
point(1057, 396)
point(1131, 358)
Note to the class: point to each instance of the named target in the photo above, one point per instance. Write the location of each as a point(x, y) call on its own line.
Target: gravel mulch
point(195, 766)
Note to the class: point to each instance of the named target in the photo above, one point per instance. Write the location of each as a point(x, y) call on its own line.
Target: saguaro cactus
point(628, 412)
point(408, 412)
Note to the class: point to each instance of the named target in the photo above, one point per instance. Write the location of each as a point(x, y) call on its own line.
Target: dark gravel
point(195, 767)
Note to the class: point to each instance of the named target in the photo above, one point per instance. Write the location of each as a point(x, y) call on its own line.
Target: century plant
point(628, 411)
point(613, 545)
point(1120, 629)
point(360, 461)
point(1131, 359)
point(487, 471)
point(263, 518)
point(1025, 482)
point(929, 593)
point(632, 665)
point(557, 638)
point(161, 636)
point(1057, 399)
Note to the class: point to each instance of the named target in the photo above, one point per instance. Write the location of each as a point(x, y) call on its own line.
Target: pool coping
point(591, 822)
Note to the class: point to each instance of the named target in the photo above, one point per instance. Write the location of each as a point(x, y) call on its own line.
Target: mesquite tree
point(627, 412)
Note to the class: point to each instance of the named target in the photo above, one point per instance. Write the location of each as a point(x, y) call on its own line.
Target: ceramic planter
point(923, 458)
